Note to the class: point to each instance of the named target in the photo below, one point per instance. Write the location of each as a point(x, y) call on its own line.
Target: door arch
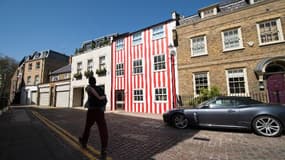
point(271, 72)
point(275, 72)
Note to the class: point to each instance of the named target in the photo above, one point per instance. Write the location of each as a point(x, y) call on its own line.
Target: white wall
point(104, 80)
point(26, 95)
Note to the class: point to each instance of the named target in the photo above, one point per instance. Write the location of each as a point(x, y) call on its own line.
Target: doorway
point(78, 97)
point(119, 100)
point(276, 88)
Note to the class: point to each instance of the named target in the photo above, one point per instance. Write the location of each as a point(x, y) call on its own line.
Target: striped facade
point(149, 80)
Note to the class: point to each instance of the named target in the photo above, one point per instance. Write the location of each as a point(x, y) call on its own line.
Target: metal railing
point(191, 100)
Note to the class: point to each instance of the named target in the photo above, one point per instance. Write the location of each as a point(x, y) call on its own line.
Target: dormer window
point(137, 38)
point(88, 46)
point(209, 11)
point(119, 44)
point(255, 1)
point(158, 32)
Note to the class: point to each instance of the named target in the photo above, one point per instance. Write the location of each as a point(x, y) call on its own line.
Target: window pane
point(269, 31)
point(201, 81)
point(236, 80)
point(198, 46)
point(159, 62)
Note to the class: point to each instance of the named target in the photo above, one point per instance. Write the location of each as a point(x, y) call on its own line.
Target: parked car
point(231, 112)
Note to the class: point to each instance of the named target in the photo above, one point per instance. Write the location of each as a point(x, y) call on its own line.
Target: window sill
point(137, 74)
point(161, 70)
point(233, 49)
point(137, 44)
point(118, 49)
point(194, 56)
point(157, 38)
point(139, 102)
point(160, 101)
point(266, 44)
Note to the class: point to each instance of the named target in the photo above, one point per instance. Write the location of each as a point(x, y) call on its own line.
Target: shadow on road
point(129, 137)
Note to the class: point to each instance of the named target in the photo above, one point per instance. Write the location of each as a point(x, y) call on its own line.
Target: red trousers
point(98, 116)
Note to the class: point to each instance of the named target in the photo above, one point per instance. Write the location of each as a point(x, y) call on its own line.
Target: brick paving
point(135, 137)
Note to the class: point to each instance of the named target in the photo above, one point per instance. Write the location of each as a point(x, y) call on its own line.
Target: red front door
point(276, 88)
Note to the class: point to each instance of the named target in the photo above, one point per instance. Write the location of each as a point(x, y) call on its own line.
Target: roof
point(42, 54)
point(142, 29)
point(65, 69)
point(224, 6)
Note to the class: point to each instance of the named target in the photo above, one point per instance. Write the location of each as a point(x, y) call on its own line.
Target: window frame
point(102, 64)
point(37, 79)
point(136, 40)
point(279, 31)
point(120, 44)
point(38, 65)
point(120, 70)
point(158, 32)
point(254, 1)
point(205, 46)
point(162, 94)
point(138, 96)
point(79, 67)
point(239, 37)
point(209, 12)
point(29, 80)
point(30, 66)
point(157, 63)
point(90, 65)
point(66, 75)
point(246, 92)
point(137, 67)
point(194, 81)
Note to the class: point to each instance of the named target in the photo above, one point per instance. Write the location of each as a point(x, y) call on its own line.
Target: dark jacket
point(93, 101)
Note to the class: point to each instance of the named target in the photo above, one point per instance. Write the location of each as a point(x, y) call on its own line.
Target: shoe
point(103, 155)
point(83, 145)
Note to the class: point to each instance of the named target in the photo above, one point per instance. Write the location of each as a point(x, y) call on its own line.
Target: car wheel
point(180, 121)
point(267, 126)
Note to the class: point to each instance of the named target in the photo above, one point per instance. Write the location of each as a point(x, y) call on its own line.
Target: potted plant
point(88, 73)
point(101, 72)
point(77, 75)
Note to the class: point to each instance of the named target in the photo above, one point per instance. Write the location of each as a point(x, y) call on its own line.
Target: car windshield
point(205, 103)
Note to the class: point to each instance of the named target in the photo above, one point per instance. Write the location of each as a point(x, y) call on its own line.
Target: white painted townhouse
point(94, 57)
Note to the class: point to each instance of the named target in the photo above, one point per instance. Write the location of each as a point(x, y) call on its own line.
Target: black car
point(231, 112)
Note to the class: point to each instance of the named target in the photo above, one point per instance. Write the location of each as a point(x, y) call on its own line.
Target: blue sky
point(62, 25)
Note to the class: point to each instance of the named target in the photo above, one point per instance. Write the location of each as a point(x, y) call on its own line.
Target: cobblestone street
point(134, 137)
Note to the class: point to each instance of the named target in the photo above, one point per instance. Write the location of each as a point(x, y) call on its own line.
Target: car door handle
point(231, 111)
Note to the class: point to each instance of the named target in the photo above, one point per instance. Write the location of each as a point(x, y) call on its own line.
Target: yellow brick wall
point(217, 61)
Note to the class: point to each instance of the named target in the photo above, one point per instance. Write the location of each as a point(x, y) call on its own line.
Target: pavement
point(136, 136)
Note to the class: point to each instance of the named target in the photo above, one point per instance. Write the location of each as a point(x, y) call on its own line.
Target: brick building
point(56, 93)
point(34, 70)
point(236, 45)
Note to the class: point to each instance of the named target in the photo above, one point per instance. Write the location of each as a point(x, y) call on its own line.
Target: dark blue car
point(231, 112)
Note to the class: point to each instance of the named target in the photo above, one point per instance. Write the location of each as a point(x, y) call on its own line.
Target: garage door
point(44, 99)
point(62, 98)
point(33, 97)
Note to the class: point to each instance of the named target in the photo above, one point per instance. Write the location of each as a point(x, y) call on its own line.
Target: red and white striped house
point(144, 69)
